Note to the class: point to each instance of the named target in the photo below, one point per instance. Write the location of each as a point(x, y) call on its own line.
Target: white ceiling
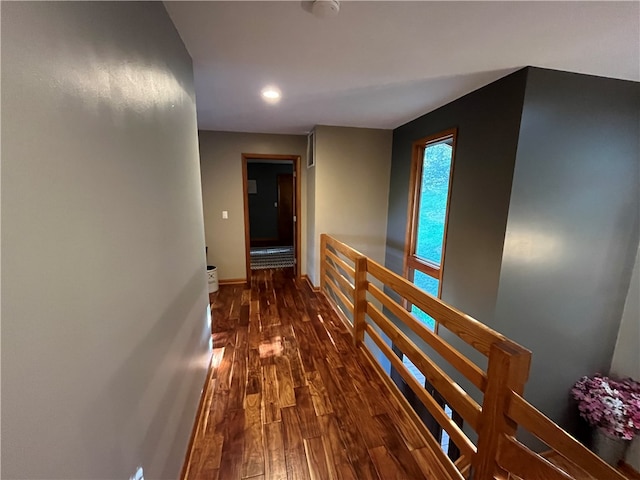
point(381, 64)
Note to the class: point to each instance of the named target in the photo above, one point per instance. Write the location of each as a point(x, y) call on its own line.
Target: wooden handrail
point(476, 334)
point(343, 248)
point(527, 416)
point(444, 463)
point(508, 370)
point(339, 263)
point(461, 363)
point(459, 400)
point(339, 278)
point(519, 460)
point(336, 290)
point(497, 453)
point(457, 435)
point(342, 281)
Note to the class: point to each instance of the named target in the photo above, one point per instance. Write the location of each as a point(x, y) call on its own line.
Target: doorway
point(271, 191)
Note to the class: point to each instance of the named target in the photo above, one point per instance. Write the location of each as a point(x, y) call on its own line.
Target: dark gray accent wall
point(543, 221)
point(572, 230)
point(263, 214)
point(488, 121)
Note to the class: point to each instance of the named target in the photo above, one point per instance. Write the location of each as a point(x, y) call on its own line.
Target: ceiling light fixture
point(325, 8)
point(271, 94)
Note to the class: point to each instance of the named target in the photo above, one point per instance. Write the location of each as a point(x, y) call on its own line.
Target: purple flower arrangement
point(612, 405)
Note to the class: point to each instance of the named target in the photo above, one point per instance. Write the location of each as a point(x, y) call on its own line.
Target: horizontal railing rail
point(357, 287)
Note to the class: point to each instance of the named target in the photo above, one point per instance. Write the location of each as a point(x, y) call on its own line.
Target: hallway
point(289, 397)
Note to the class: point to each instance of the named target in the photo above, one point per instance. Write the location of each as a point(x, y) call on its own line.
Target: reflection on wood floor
point(290, 397)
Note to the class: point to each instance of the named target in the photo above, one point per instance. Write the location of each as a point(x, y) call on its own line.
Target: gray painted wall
point(572, 231)
point(350, 190)
point(104, 293)
point(263, 213)
point(221, 164)
point(487, 122)
point(543, 222)
point(626, 356)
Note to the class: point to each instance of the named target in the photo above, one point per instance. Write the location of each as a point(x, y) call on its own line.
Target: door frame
point(297, 201)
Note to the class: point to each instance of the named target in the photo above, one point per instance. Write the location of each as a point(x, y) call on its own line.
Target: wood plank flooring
point(290, 398)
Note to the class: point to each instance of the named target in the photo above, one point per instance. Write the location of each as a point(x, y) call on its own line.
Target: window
point(432, 165)
point(429, 191)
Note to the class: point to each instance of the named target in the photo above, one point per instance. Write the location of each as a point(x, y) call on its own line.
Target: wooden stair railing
point(355, 287)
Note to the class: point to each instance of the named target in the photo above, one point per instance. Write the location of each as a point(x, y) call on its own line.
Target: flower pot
point(608, 448)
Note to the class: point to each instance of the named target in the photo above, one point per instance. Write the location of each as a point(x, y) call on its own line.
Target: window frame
point(411, 261)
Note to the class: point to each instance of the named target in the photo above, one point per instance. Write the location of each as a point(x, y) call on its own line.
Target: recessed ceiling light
point(271, 94)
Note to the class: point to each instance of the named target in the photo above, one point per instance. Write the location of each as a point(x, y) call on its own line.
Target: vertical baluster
point(359, 299)
point(508, 370)
point(323, 261)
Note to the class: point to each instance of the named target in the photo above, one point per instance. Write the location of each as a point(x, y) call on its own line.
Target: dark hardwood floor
point(289, 397)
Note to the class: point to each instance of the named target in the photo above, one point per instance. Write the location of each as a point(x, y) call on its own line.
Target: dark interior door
point(285, 209)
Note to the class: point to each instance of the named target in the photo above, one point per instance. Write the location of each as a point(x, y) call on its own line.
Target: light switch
point(225, 214)
point(275, 204)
